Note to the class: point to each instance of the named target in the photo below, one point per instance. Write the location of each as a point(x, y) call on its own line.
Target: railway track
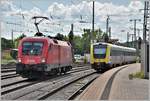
point(11, 74)
point(11, 81)
point(8, 66)
point(22, 82)
point(36, 89)
point(72, 90)
point(8, 70)
point(7, 74)
point(8, 80)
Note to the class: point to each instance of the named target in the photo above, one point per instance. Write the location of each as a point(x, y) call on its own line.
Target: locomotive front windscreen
point(99, 51)
point(32, 48)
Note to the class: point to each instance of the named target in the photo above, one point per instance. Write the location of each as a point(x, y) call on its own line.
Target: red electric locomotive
point(42, 55)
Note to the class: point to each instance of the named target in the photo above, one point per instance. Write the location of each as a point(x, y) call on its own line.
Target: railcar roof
point(115, 46)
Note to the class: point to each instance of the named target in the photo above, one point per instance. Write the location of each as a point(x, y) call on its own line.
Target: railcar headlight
point(43, 60)
point(19, 59)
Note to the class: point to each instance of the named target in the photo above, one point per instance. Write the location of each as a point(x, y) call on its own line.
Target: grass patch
point(8, 61)
point(137, 75)
point(5, 57)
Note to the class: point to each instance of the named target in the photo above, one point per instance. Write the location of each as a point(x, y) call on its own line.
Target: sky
point(17, 16)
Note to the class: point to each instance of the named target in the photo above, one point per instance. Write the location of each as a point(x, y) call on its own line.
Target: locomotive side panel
point(53, 57)
point(65, 56)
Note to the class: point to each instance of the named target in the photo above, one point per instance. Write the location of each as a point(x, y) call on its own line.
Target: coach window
point(112, 53)
point(127, 53)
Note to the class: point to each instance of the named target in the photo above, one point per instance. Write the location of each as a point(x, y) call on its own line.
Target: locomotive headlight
point(19, 59)
point(43, 60)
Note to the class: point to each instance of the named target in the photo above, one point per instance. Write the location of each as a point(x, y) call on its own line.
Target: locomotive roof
point(116, 46)
point(49, 40)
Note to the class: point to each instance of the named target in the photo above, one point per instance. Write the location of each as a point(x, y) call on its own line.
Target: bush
point(137, 75)
point(13, 53)
point(130, 76)
point(6, 56)
point(85, 60)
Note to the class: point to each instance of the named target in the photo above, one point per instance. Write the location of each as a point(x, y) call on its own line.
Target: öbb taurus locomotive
point(105, 55)
point(42, 55)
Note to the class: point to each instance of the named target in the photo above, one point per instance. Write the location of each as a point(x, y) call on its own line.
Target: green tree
point(66, 38)
point(86, 37)
point(99, 34)
point(16, 42)
point(59, 36)
point(78, 46)
point(6, 44)
point(105, 37)
point(71, 36)
point(86, 40)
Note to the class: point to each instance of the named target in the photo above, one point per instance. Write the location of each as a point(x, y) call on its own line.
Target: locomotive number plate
point(31, 61)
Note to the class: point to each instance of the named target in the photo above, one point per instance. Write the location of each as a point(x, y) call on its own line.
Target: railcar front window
point(32, 48)
point(100, 51)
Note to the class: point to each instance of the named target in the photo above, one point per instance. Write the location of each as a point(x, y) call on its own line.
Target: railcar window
point(100, 51)
point(121, 52)
point(116, 52)
point(32, 48)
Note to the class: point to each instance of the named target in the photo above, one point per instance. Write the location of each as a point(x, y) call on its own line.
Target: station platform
point(116, 85)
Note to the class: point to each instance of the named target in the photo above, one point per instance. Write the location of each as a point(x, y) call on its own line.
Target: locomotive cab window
point(32, 48)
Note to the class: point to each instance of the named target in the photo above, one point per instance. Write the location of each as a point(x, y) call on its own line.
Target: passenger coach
point(105, 55)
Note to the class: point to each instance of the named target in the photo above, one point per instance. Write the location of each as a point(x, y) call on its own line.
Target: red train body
point(42, 55)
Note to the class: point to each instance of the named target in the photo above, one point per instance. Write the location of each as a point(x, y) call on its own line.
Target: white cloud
point(135, 5)
point(67, 14)
point(3, 28)
point(7, 5)
point(35, 11)
point(57, 9)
